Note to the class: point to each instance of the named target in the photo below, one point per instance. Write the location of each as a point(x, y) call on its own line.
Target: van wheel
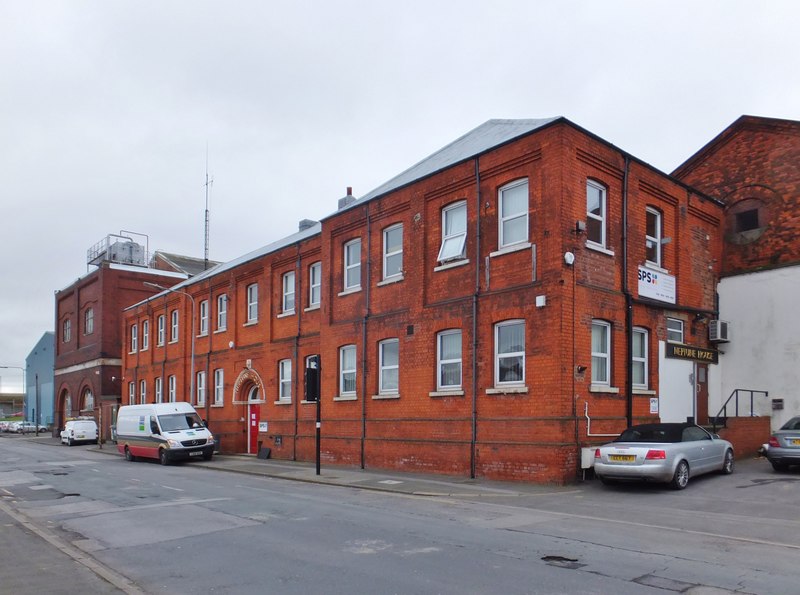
point(129, 455)
point(162, 457)
point(69, 442)
point(207, 456)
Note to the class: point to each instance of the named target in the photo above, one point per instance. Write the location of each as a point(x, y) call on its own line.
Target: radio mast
point(208, 184)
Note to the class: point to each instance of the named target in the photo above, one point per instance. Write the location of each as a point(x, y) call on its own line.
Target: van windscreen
point(179, 421)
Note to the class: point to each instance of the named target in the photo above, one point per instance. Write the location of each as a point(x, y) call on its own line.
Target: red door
point(252, 430)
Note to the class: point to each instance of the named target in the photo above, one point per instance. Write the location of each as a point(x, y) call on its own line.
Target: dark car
point(784, 445)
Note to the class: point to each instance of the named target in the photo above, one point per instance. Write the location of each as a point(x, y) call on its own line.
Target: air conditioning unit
point(718, 331)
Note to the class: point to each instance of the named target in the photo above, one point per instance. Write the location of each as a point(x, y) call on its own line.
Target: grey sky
point(106, 108)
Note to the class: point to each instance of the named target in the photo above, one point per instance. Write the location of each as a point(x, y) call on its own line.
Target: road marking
point(171, 488)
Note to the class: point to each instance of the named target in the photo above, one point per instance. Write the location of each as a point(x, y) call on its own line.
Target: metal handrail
point(724, 409)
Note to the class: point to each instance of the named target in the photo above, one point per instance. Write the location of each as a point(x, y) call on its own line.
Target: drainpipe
point(298, 296)
point(628, 299)
point(474, 437)
point(364, 321)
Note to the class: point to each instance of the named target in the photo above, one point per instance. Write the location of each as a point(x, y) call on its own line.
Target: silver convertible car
point(784, 445)
point(668, 452)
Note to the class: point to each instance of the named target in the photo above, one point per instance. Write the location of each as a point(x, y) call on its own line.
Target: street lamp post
point(192, 331)
point(24, 392)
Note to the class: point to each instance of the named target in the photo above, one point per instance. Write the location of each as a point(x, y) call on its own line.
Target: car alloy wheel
point(727, 463)
point(681, 478)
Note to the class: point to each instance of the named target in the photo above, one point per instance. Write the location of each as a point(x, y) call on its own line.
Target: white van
point(163, 431)
point(79, 430)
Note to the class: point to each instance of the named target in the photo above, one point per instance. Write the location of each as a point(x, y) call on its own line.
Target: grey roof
point(186, 264)
point(487, 136)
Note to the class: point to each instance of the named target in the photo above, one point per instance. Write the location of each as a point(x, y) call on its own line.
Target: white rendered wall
point(763, 310)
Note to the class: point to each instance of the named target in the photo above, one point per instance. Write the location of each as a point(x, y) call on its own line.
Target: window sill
point(644, 391)
point(346, 398)
point(508, 390)
point(598, 248)
point(304, 402)
point(349, 291)
point(132, 352)
point(312, 308)
point(510, 249)
point(451, 265)
point(217, 405)
point(386, 396)
point(172, 341)
point(285, 314)
point(654, 267)
point(447, 393)
point(390, 280)
point(251, 322)
point(144, 349)
point(200, 335)
point(282, 402)
point(603, 388)
point(221, 330)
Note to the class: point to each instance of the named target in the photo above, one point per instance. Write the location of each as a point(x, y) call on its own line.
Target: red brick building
point(490, 311)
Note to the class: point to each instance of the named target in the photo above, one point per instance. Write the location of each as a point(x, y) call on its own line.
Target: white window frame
point(504, 217)
point(134, 338)
point(203, 322)
point(88, 400)
point(201, 388)
point(285, 381)
point(389, 254)
point(145, 335)
point(142, 392)
point(131, 394)
point(640, 361)
point(174, 328)
point(66, 331)
point(676, 333)
point(88, 321)
point(441, 362)
point(600, 218)
point(601, 360)
point(172, 388)
point(385, 369)
point(222, 312)
point(287, 302)
point(159, 389)
point(352, 266)
point(654, 241)
point(498, 356)
point(347, 371)
point(315, 284)
point(457, 238)
point(161, 329)
point(219, 386)
point(252, 303)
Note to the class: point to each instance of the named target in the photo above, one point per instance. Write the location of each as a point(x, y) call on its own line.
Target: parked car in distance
point(4, 426)
point(663, 452)
point(79, 430)
point(28, 427)
point(784, 445)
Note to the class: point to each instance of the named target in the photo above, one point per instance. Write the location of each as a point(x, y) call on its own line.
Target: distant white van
point(164, 431)
point(79, 430)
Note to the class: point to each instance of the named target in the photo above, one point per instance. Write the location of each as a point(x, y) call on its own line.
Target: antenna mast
point(208, 185)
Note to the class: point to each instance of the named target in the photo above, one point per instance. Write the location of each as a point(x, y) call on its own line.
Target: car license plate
point(80, 436)
point(795, 442)
point(622, 458)
point(196, 453)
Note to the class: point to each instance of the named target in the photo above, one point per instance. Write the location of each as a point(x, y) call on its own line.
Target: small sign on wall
point(656, 285)
point(654, 406)
point(263, 426)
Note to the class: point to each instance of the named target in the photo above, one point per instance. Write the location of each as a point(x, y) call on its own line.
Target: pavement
point(367, 479)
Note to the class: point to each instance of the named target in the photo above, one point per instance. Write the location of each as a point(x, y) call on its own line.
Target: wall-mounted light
point(580, 226)
point(580, 369)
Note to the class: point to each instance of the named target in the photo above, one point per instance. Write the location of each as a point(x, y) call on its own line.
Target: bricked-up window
point(66, 331)
point(601, 352)
point(288, 293)
point(653, 233)
point(285, 380)
point(314, 284)
point(393, 251)
point(509, 353)
point(173, 333)
point(219, 386)
point(171, 389)
point(252, 302)
point(514, 213)
point(88, 321)
point(596, 213)
point(448, 360)
point(352, 265)
point(131, 393)
point(203, 324)
point(142, 392)
point(161, 329)
point(134, 338)
point(454, 232)
point(347, 370)
point(639, 358)
point(159, 390)
point(201, 388)
point(674, 330)
point(222, 312)
point(389, 364)
point(145, 335)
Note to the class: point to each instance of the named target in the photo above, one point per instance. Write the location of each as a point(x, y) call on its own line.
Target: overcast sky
point(107, 108)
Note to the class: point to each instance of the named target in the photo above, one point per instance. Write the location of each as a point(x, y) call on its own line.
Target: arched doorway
point(249, 392)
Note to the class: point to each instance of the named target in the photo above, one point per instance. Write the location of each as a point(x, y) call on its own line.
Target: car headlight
point(211, 438)
point(173, 443)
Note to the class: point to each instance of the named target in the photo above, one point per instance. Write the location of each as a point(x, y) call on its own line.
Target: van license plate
point(196, 453)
